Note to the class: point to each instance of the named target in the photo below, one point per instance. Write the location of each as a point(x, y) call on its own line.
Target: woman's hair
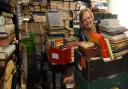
point(82, 12)
point(81, 17)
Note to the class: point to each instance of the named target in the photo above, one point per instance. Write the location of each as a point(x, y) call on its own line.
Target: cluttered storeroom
point(63, 44)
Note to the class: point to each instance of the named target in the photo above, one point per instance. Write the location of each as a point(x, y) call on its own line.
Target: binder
point(4, 54)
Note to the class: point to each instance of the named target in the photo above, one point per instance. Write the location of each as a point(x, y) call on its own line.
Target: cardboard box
point(66, 5)
point(72, 5)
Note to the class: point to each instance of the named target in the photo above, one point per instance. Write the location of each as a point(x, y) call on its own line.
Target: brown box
point(66, 5)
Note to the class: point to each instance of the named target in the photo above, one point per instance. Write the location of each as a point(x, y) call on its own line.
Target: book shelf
point(8, 10)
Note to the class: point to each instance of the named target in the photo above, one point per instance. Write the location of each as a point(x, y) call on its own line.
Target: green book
point(109, 48)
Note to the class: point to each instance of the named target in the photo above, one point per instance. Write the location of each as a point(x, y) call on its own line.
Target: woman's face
point(87, 20)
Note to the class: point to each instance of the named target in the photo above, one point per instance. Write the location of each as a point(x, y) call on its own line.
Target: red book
point(6, 42)
point(99, 39)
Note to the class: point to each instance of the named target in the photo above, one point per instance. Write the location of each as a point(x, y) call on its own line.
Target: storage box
point(95, 69)
point(119, 81)
point(59, 56)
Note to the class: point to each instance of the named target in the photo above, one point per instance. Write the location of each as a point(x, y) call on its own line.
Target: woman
point(86, 24)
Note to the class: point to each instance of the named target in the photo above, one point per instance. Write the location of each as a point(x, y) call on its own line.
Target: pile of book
point(7, 35)
point(55, 42)
point(39, 17)
point(63, 5)
point(25, 9)
point(38, 7)
point(116, 38)
point(59, 35)
point(40, 36)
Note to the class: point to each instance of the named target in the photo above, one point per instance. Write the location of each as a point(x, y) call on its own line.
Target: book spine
point(7, 52)
point(5, 42)
point(7, 14)
point(109, 49)
point(104, 50)
point(2, 20)
point(3, 36)
point(6, 28)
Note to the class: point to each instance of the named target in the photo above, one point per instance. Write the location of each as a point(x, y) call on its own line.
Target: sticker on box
point(55, 56)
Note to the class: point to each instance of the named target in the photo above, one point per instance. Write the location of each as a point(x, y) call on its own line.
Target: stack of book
point(40, 36)
point(116, 38)
point(55, 42)
point(25, 9)
point(38, 7)
point(39, 18)
point(58, 32)
point(7, 35)
point(70, 5)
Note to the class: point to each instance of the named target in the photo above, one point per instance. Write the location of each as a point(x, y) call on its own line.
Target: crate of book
point(59, 56)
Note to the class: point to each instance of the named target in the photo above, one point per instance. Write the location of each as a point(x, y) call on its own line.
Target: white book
point(115, 38)
point(6, 35)
point(2, 48)
point(2, 21)
point(7, 28)
point(6, 52)
point(5, 20)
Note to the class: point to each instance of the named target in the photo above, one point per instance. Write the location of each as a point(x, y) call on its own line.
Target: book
point(4, 54)
point(110, 22)
point(6, 35)
point(57, 32)
point(6, 42)
point(115, 38)
point(2, 48)
point(119, 50)
point(122, 53)
point(71, 39)
point(72, 5)
point(54, 19)
point(7, 28)
point(5, 14)
point(5, 20)
point(8, 82)
point(119, 45)
point(9, 69)
point(109, 49)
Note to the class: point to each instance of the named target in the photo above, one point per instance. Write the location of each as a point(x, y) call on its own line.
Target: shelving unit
point(10, 8)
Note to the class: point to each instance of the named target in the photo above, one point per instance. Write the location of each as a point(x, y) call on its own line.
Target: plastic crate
point(59, 56)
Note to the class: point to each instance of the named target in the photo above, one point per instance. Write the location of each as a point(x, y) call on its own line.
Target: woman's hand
point(69, 79)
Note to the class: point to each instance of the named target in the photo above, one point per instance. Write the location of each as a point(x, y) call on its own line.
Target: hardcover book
point(6, 42)
point(4, 54)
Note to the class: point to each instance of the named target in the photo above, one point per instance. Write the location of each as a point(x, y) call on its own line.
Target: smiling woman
point(120, 8)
